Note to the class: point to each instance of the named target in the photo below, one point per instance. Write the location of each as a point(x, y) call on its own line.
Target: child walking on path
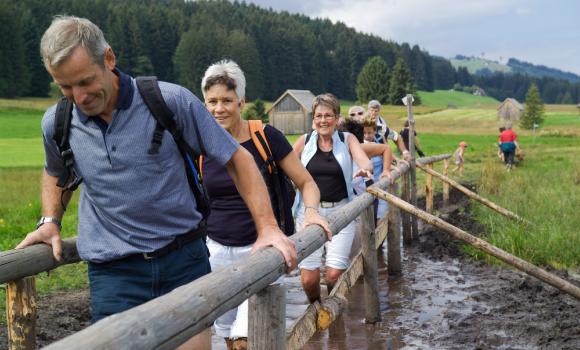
point(458, 155)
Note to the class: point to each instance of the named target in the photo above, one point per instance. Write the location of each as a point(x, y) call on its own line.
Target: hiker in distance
point(139, 227)
point(231, 228)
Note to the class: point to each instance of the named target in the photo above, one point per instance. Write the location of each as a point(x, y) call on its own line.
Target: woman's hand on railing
point(386, 173)
point(48, 233)
point(312, 217)
point(363, 172)
point(272, 236)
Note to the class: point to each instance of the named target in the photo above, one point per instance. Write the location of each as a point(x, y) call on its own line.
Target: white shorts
point(233, 323)
point(337, 250)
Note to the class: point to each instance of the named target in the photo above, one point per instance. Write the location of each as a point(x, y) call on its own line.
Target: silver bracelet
point(309, 207)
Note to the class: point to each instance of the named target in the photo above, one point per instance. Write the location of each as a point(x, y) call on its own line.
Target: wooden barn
point(292, 112)
point(510, 111)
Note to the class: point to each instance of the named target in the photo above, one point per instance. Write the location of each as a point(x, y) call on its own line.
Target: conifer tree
point(533, 110)
point(401, 84)
point(373, 81)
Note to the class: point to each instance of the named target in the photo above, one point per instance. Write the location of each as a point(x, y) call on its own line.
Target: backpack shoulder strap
point(261, 142)
point(308, 137)
point(62, 122)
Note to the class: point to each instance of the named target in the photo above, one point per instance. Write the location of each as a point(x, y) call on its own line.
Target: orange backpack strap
point(200, 162)
point(259, 139)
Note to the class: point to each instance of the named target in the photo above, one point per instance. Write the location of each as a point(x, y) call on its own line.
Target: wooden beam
point(482, 245)
point(394, 238)
point(267, 319)
point(446, 184)
point(475, 196)
point(406, 218)
point(428, 190)
point(370, 269)
point(21, 313)
point(20, 263)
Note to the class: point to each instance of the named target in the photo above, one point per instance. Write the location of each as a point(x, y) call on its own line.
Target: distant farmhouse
point(292, 112)
point(510, 111)
point(479, 92)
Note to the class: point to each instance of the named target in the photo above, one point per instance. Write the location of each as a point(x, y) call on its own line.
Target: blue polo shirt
point(131, 201)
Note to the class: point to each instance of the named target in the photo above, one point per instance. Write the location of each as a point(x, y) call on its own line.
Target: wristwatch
point(43, 220)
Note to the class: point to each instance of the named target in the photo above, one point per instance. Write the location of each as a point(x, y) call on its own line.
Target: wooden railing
point(168, 321)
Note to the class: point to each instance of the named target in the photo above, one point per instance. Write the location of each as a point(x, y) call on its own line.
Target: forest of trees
point(177, 39)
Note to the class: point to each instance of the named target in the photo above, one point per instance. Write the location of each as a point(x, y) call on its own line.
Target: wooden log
point(413, 171)
point(303, 328)
point(21, 313)
point(20, 263)
point(429, 190)
point(330, 309)
point(406, 218)
point(267, 319)
point(482, 245)
point(394, 238)
point(475, 196)
point(370, 272)
point(446, 184)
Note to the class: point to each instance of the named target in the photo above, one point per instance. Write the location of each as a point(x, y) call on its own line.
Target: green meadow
point(544, 188)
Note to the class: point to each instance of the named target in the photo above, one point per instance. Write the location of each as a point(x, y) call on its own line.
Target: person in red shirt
point(508, 142)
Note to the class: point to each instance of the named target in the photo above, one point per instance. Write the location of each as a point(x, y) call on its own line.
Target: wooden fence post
point(370, 266)
point(394, 237)
point(412, 170)
point(267, 319)
point(429, 191)
point(405, 217)
point(445, 184)
point(21, 313)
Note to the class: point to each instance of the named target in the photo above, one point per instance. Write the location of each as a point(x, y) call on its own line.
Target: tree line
point(177, 39)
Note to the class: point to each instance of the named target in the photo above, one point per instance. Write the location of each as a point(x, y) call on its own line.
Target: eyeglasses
point(325, 116)
point(357, 113)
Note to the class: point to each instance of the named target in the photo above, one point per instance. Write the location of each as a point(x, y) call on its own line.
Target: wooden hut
point(510, 111)
point(292, 112)
point(578, 106)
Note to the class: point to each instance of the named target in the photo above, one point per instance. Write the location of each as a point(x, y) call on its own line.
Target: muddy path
point(443, 300)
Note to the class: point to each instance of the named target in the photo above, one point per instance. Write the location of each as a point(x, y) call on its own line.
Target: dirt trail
point(444, 300)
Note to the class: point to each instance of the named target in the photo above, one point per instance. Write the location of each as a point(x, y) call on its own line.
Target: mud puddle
point(445, 300)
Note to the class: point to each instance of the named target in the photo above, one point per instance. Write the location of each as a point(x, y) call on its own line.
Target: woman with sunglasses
point(328, 156)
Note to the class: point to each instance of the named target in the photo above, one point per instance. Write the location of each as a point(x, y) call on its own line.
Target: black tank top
point(327, 174)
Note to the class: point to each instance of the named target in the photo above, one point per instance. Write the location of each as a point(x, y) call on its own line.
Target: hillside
point(444, 98)
point(482, 66)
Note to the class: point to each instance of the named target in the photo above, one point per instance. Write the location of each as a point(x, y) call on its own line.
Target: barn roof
point(512, 101)
point(303, 97)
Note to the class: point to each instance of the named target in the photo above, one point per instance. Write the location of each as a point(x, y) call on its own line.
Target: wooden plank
point(475, 196)
point(267, 319)
point(484, 246)
point(370, 272)
point(429, 191)
point(394, 238)
point(21, 313)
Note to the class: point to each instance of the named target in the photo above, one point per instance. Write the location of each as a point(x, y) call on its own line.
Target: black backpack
point(149, 90)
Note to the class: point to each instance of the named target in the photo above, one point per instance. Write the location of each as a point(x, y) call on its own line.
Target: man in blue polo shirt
point(134, 206)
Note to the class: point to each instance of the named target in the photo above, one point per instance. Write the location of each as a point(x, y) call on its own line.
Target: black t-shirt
point(405, 135)
point(230, 221)
point(327, 174)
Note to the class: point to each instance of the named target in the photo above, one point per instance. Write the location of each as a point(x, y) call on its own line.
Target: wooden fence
point(168, 321)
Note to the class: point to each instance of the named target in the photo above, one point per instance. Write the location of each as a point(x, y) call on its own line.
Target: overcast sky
point(540, 32)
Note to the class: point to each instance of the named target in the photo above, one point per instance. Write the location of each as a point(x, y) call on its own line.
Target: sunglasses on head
point(357, 113)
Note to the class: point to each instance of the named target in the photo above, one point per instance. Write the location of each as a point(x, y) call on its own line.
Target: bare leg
point(311, 283)
point(331, 277)
point(200, 341)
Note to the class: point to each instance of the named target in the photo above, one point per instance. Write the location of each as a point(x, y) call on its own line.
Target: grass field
point(545, 189)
